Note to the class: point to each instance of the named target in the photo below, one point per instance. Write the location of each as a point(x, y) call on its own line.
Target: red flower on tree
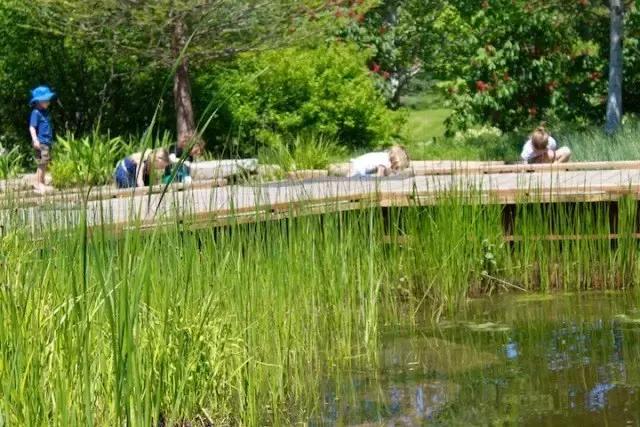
point(482, 86)
point(595, 76)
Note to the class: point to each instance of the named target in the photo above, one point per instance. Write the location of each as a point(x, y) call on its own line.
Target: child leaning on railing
point(543, 148)
point(383, 163)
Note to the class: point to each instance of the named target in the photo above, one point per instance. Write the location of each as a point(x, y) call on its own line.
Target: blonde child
point(543, 148)
point(383, 163)
point(135, 170)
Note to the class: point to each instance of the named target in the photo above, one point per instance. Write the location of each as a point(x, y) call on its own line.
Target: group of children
point(540, 148)
point(136, 169)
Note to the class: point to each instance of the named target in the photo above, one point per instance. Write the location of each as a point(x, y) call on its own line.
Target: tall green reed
point(240, 324)
point(175, 325)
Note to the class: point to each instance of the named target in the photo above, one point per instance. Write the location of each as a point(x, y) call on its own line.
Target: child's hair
point(160, 154)
point(153, 156)
point(398, 157)
point(540, 138)
point(198, 147)
point(157, 153)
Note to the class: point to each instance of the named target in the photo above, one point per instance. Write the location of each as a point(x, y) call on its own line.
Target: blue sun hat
point(41, 94)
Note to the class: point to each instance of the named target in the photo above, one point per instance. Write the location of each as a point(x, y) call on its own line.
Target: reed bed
point(239, 325)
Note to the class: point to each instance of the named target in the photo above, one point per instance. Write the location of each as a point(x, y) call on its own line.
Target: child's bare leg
point(39, 183)
point(563, 155)
point(547, 157)
point(43, 163)
point(40, 173)
point(550, 157)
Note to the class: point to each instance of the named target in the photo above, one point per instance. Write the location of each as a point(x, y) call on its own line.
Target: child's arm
point(34, 137)
point(382, 171)
point(140, 179)
point(175, 160)
point(140, 174)
point(33, 128)
point(528, 153)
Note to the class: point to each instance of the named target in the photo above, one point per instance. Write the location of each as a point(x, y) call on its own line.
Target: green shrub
point(325, 91)
point(85, 161)
point(11, 163)
point(303, 152)
point(480, 135)
point(64, 173)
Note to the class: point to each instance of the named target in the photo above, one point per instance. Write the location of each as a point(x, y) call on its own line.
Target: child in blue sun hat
point(41, 130)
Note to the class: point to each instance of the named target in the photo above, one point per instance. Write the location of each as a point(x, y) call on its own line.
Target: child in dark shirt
point(135, 170)
point(176, 156)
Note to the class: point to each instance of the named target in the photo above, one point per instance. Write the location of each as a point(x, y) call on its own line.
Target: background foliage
point(117, 91)
point(530, 61)
point(507, 64)
point(323, 91)
point(400, 37)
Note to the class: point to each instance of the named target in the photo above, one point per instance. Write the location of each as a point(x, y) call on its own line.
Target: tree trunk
point(400, 81)
point(185, 121)
point(614, 103)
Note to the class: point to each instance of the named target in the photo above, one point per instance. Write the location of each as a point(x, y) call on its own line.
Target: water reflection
point(511, 350)
point(408, 403)
point(562, 361)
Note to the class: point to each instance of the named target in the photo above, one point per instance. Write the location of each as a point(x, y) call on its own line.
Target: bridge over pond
point(210, 203)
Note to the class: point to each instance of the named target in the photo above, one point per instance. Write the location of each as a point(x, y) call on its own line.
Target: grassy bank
point(593, 144)
point(240, 325)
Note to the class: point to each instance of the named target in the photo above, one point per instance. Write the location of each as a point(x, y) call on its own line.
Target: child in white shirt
point(382, 163)
point(542, 148)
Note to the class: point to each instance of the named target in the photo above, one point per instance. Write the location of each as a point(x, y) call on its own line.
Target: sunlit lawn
point(424, 131)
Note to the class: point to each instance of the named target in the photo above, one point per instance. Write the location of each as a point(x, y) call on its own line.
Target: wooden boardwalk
point(207, 204)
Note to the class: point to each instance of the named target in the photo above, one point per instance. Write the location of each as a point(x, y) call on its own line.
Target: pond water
point(530, 360)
